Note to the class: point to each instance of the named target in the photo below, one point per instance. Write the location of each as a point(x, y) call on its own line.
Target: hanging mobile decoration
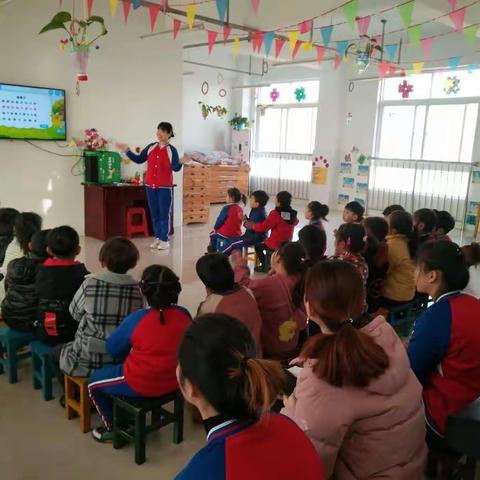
point(77, 39)
point(274, 95)
point(205, 88)
point(364, 51)
point(452, 85)
point(405, 89)
point(220, 78)
point(222, 92)
point(300, 94)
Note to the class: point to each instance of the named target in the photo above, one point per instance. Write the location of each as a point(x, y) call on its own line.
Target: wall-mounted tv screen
point(32, 113)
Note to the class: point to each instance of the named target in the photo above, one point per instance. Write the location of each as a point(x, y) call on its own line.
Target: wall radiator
point(274, 172)
point(418, 184)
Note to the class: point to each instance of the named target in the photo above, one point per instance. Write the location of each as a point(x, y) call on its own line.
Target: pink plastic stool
point(141, 227)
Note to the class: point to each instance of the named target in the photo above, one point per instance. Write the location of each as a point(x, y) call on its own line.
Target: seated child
point(7, 219)
point(234, 393)
point(281, 224)
point(225, 296)
point(228, 227)
point(399, 285)
point(316, 213)
point(471, 253)
point(392, 208)
point(445, 224)
point(99, 306)
point(279, 298)
point(424, 223)
point(25, 225)
point(58, 279)
point(376, 256)
point(314, 242)
point(443, 349)
point(349, 246)
point(146, 344)
point(353, 212)
point(20, 305)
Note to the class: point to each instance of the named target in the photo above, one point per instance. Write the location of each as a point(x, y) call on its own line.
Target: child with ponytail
point(145, 344)
point(443, 349)
point(356, 397)
point(234, 392)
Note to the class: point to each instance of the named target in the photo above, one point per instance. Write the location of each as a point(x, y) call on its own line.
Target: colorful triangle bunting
point(305, 26)
point(307, 46)
point(222, 9)
point(363, 23)
point(126, 9)
point(191, 11)
point(470, 33)
point(427, 45)
point(89, 7)
point(296, 49)
point(342, 47)
point(382, 69)
point(113, 7)
point(212, 37)
point(406, 11)
point(337, 62)
point(176, 27)
point(293, 39)
point(136, 4)
point(453, 62)
point(415, 34)
point(326, 34)
point(236, 45)
point(226, 33)
point(392, 70)
point(458, 18)
point(418, 67)
point(268, 38)
point(164, 6)
point(453, 4)
point(320, 53)
point(350, 10)
point(257, 40)
point(391, 51)
point(279, 43)
point(255, 5)
point(154, 10)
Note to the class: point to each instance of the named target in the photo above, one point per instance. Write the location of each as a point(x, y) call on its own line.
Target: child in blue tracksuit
point(258, 214)
point(162, 160)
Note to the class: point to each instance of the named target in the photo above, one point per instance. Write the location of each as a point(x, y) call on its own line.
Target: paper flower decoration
point(405, 89)
point(274, 95)
point(452, 85)
point(300, 94)
point(93, 140)
point(320, 161)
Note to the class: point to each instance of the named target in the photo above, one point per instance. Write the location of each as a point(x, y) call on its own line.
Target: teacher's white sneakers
point(163, 245)
point(155, 243)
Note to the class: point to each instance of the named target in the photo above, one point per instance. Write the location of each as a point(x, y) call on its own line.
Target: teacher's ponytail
point(166, 127)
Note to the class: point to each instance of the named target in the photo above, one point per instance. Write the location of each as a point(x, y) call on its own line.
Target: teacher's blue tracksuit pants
point(160, 204)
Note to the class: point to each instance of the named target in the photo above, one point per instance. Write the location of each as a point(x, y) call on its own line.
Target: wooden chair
point(250, 255)
point(130, 420)
point(10, 342)
point(77, 401)
point(42, 372)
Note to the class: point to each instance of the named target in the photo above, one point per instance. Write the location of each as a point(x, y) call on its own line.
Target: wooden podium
point(106, 209)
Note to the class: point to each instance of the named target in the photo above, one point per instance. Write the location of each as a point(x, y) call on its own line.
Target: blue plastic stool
point(42, 372)
point(11, 341)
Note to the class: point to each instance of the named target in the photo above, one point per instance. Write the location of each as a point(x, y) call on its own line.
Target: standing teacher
point(162, 160)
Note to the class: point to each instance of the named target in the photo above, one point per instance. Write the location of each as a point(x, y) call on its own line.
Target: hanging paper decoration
point(257, 40)
point(350, 10)
point(236, 45)
point(320, 53)
point(458, 18)
point(279, 43)
point(418, 67)
point(176, 27)
point(255, 5)
point(154, 10)
point(222, 6)
point(392, 70)
point(136, 4)
point(306, 26)
point(300, 94)
point(452, 85)
point(268, 38)
point(453, 62)
point(326, 34)
point(342, 48)
point(191, 11)
point(113, 7)
point(126, 9)
point(391, 51)
point(453, 4)
point(363, 51)
point(405, 89)
point(212, 37)
point(337, 61)
point(274, 95)
point(293, 39)
point(415, 34)
point(427, 45)
point(164, 6)
point(406, 11)
point(363, 23)
point(89, 7)
point(382, 69)
point(307, 46)
point(470, 33)
point(226, 33)
point(296, 49)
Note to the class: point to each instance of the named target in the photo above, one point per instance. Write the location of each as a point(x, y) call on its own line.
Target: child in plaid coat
point(100, 305)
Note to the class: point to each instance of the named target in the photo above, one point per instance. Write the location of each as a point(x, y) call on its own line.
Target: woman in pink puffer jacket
point(356, 397)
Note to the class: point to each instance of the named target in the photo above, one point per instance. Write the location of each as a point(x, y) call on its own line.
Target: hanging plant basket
point(208, 109)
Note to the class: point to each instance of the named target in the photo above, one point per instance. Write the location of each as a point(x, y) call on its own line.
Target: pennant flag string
point(350, 10)
point(279, 43)
point(226, 33)
point(113, 7)
point(212, 37)
point(427, 45)
point(391, 51)
point(255, 5)
point(191, 11)
point(363, 23)
point(154, 10)
point(458, 18)
point(236, 45)
point(176, 27)
point(136, 4)
point(126, 9)
point(222, 9)
point(268, 41)
point(89, 7)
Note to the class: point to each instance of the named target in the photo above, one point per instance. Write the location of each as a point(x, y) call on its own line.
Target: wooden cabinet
point(196, 207)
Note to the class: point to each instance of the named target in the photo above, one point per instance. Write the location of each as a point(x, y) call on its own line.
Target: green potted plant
point(239, 123)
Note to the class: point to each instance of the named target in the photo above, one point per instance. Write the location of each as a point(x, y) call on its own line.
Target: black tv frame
point(41, 139)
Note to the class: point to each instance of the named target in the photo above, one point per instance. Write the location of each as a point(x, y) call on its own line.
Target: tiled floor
point(36, 440)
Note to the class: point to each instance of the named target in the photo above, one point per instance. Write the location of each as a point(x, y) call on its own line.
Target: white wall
point(133, 85)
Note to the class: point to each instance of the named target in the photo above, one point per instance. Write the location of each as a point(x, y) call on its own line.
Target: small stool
point(76, 387)
point(42, 372)
point(249, 255)
point(141, 227)
point(11, 340)
point(130, 420)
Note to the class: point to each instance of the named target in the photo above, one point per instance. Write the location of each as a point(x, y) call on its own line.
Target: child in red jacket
point(228, 227)
point(281, 222)
point(146, 343)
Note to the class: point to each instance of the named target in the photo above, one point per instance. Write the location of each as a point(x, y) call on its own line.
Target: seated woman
point(280, 299)
point(233, 393)
point(356, 397)
point(443, 350)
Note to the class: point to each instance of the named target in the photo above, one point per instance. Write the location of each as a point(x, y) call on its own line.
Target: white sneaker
point(155, 243)
point(163, 245)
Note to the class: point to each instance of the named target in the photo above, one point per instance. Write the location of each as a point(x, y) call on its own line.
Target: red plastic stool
point(141, 227)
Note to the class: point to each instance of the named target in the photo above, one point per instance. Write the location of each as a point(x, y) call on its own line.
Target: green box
point(102, 167)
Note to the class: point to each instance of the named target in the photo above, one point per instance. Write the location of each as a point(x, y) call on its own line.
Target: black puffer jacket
point(20, 305)
point(4, 242)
